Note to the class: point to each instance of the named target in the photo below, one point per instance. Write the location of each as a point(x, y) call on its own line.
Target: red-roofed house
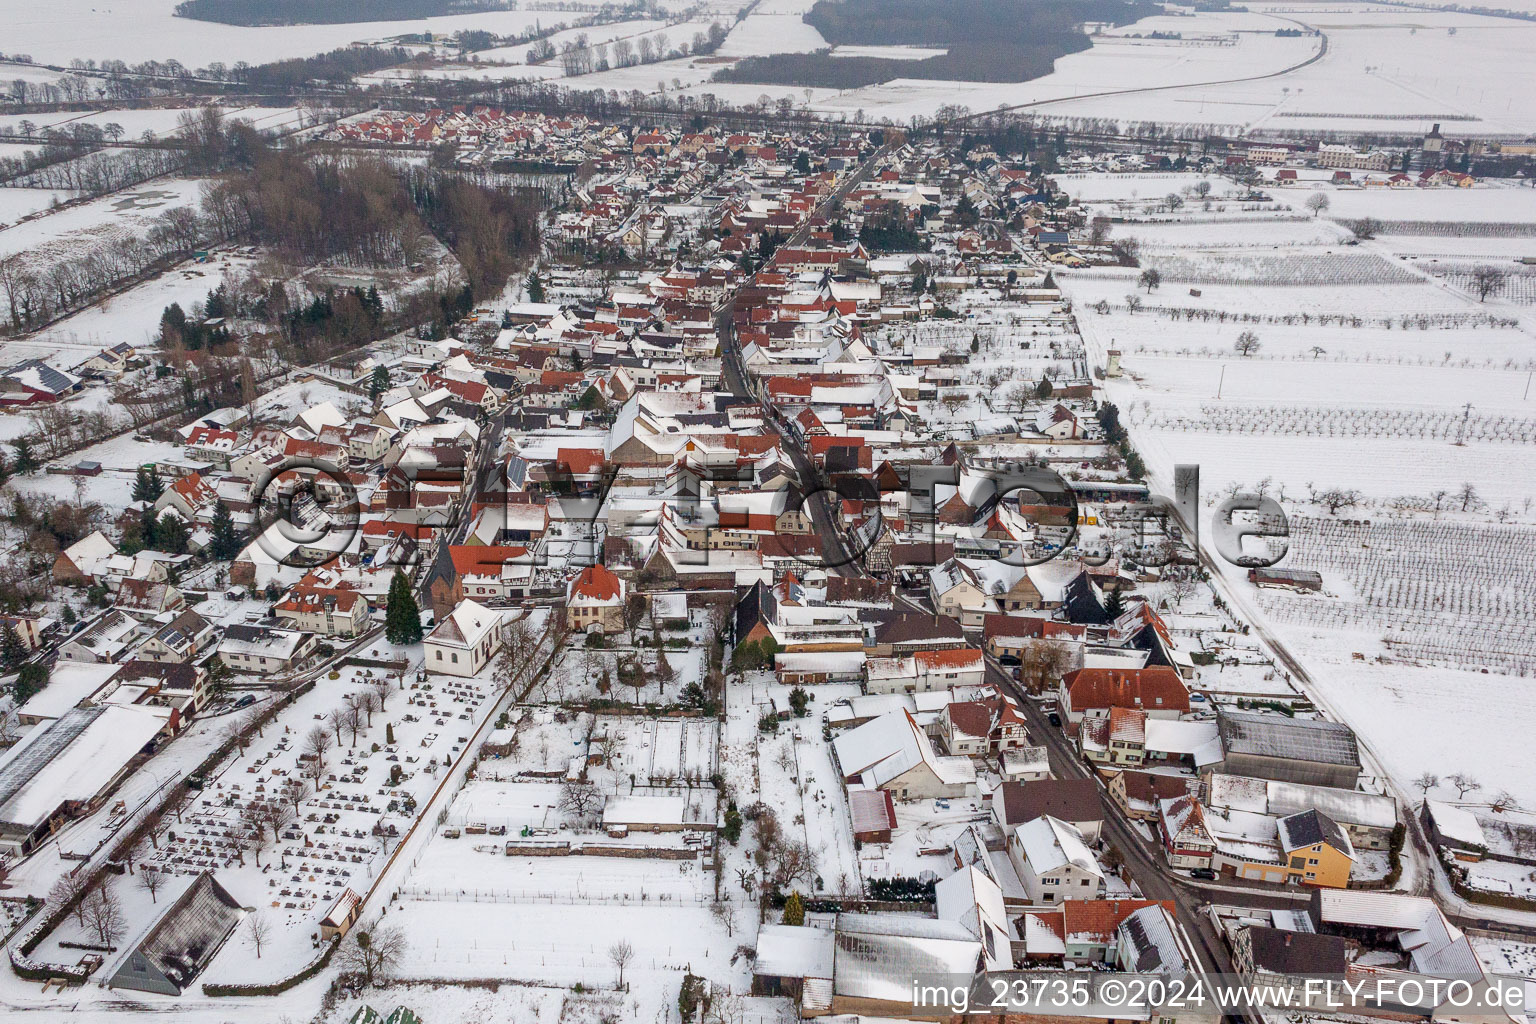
point(328, 611)
point(943, 670)
point(594, 601)
point(1157, 690)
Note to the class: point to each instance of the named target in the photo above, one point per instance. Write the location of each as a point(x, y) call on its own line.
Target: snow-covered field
point(129, 210)
point(132, 316)
point(16, 203)
point(158, 122)
point(1362, 386)
point(137, 30)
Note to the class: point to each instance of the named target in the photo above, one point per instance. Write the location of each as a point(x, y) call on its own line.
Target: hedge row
point(277, 987)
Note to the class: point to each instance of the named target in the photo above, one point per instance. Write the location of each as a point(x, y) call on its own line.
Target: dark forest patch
point(988, 40)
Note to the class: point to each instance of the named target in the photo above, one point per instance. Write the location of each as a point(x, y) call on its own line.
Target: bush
point(899, 890)
point(731, 830)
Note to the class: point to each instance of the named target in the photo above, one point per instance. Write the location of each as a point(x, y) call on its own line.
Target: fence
point(443, 894)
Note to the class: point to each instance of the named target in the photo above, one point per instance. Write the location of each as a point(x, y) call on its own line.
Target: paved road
point(822, 506)
point(482, 466)
point(1143, 860)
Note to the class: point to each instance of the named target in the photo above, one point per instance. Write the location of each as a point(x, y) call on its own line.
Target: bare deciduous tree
point(150, 881)
point(1426, 782)
point(1488, 280)
point(104, 914)
point(373, 955)
point(1247, 344)
point(621, 953)
point(315, 745)
point(70, 887)
point(1464, 782)
point(1335, 499)
point(257, 928)
point(580, 799)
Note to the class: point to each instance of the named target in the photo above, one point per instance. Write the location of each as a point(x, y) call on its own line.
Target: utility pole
point(1466, 414)
point(1221, 380)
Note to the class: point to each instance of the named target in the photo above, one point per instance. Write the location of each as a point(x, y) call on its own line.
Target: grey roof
point(32, 757)
point(1310, 828)
point(1153, 947)
point(183, 941)
point(46, 376)
point(1297, 739)
point(1288, 952)
point(877, 955)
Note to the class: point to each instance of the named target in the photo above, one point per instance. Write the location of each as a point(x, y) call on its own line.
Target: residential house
point(145, 599)
point(264, 650)
point(1316, 850)
point(179, 641)
point(329, 611)
point(85, 561)
point(1075, 801)
point(1054, 862)
point(1156, 690)
point(1187, 842)
point(594, 601)
point(893, 753)
point(1139, 793)
point(1116, 740)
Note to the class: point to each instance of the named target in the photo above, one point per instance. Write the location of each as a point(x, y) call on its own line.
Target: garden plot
point(589, 867)
point(569, 946)
point(538, 743)
point(525, 1004)
point(608, 672)
point(660, 752)
point(1502, 877)
point(922, 837)
point(800, 785)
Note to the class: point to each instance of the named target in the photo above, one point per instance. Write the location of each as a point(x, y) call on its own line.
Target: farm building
point(1296, 579)
point(1308, 751)
point(67, 766)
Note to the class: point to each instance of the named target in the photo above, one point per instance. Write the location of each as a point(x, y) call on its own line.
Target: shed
point(873, 813)
point(342, 915)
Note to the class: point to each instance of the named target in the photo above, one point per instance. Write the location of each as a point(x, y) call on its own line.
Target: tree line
point(327, 12)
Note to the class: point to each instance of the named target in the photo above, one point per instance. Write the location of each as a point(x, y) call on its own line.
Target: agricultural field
point(1375, 381)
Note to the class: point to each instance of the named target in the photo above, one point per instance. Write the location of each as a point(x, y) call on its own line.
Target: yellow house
point(1315, 850)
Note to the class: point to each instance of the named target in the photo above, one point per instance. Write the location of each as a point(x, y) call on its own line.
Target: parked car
point(1205, 873)
point(1053, 718)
